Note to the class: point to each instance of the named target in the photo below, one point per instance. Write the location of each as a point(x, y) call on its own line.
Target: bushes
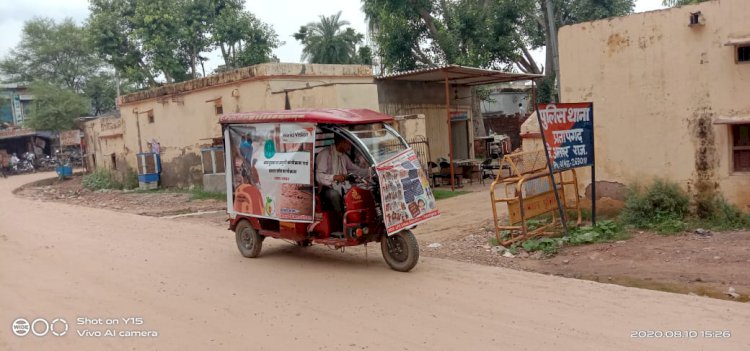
point(658, 207)
point(130, 180)
point(100, 179)
point(665, 208)
point(662, 207)
point(105, 179)
point(720, 214)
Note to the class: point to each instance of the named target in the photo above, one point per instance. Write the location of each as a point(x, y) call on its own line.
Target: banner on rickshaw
point(568, 131)
point(272, 170)
point(405, 192)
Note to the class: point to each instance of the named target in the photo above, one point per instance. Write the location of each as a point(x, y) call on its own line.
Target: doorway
point(460, 139)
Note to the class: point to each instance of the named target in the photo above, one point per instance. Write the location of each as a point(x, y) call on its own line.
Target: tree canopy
point(327, 41)
point(60, 55)
point(147, 39)
point(55, 108)
point(496, 34)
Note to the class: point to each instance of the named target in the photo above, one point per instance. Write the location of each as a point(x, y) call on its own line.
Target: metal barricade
point(527, 191)
point(421, 147)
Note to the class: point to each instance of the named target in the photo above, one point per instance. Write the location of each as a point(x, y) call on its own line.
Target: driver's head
point(342, 145)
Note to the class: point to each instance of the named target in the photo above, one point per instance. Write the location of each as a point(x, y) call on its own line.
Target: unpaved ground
point(687, 263)
point(157, 204)
point(187, 282)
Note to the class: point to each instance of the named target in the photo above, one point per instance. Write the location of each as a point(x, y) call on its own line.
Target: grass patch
point(445, 194)
point(661, 207)
point(130, 180)
point(549, 246)
point(100, 179)
point(665, 208)
point(603, 231)
point(718, 214)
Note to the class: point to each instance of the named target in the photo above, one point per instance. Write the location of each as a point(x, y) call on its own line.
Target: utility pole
point(553, 44)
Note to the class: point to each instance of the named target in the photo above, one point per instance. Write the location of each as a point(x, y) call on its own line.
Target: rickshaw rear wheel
point(249, 242)
point(400, 250)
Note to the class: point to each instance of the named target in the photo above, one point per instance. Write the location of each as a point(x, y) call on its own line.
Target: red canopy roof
point(332, 116)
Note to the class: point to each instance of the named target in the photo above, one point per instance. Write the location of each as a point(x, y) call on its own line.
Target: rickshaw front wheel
point(400, 250)
point(249, 242)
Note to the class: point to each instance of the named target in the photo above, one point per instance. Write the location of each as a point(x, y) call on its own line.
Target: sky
point(286, 16)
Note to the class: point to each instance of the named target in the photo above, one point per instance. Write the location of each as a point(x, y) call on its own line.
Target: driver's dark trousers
point(334, 199)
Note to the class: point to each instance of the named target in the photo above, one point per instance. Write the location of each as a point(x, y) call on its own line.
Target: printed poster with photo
point(405, 190)
point(272, 170)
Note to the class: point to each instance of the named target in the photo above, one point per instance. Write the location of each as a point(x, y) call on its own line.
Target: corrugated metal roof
point(458, 75)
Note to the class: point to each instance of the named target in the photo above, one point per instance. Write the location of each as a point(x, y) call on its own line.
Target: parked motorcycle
point(47, 163)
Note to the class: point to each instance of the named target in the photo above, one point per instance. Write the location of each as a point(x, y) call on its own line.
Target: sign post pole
point(563, 218)
point(568, 138)
point(593, 169)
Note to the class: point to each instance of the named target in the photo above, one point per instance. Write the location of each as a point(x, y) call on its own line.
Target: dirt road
point(187, 282)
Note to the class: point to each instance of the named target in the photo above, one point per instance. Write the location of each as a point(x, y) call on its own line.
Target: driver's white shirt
point(329, 163)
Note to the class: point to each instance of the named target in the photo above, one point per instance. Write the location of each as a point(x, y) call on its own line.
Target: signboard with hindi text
point(568, 134)
point(271, 167)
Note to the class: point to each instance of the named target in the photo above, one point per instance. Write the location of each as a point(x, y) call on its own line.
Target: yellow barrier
point(526, 183)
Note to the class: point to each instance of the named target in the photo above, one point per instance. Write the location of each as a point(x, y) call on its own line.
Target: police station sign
point(568, 134)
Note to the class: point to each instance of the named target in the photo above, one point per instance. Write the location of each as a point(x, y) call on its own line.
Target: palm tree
point(326, 42)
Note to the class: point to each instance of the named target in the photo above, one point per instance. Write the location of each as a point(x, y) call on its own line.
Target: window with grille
point(743, 53)
point(741, 147)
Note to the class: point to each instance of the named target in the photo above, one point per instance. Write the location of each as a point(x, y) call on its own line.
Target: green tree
point(101, 90)
point(675, 3)
point(112, 29)
point(327, 41)
point(497, 34)
point(158, 25)
point(418, 33)
point(55, 108)
point(58, 53)
point(364, 55)
point(145, 39)
point(241, 37)
point(193, 34)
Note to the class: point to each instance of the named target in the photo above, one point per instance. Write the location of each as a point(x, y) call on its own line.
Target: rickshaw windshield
point(381, 141)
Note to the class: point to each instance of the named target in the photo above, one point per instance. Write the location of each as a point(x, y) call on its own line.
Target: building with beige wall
point(104, 144)
point(670, 93)
point(183, 117)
